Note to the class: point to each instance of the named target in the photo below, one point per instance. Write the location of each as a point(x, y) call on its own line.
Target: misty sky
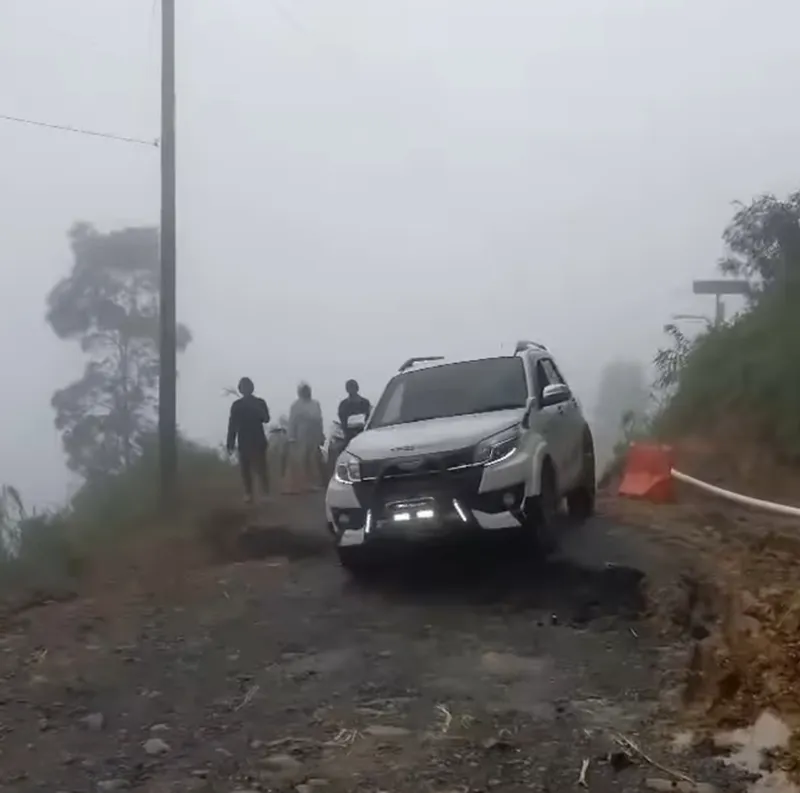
point(364, 180)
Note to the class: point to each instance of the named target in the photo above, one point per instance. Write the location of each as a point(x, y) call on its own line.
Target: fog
point(364, 180)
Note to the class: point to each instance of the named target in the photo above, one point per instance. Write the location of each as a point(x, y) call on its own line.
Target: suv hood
point(431, 436)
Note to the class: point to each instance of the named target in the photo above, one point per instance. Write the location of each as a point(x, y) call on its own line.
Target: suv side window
point(553, 375)
point(542, 379)
point(392, 412)
point(531, 377)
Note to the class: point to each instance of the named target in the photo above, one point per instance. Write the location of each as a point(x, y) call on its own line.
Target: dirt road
point(474, 671)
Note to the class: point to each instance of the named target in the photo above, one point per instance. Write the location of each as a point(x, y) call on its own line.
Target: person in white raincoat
point(306, 435)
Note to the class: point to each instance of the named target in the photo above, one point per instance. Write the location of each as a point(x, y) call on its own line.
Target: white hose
point(769, 506)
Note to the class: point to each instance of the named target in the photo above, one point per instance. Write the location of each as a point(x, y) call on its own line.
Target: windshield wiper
point(501, 406)
point(489, 409)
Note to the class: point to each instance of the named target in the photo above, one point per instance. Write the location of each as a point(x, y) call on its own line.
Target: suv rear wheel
point(581, 500)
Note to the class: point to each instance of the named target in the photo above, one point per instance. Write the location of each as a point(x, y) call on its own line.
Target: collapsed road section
point(474, 671)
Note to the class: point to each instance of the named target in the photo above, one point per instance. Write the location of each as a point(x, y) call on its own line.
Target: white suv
point(482, 445)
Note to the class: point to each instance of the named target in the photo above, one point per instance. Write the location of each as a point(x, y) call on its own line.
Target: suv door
point(551, 424)
point(570, 422)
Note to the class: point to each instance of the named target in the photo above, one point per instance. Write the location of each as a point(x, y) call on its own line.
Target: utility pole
point(167, 382)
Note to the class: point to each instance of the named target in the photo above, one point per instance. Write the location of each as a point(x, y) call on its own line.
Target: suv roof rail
point(422, 359)
point(524, 344)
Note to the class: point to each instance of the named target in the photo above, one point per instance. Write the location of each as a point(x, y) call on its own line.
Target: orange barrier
point(648, 473)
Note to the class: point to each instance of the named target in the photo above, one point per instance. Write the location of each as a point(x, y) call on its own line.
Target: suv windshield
point(455, 389)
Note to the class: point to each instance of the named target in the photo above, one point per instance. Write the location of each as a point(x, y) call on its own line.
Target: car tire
point(355, 560)
point(541, 513)
point(581, 500)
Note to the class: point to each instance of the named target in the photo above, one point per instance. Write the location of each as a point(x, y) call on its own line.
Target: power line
point(79, 131)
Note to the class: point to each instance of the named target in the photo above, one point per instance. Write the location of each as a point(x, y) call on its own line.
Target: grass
point(52, 551)
point(113, 506)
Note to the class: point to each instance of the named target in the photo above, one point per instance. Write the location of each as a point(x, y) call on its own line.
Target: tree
point(110, 304)
point(763, 241)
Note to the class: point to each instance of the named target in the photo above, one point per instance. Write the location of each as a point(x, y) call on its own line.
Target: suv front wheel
point(581, 500)
point(541, 513)
point(355, 559)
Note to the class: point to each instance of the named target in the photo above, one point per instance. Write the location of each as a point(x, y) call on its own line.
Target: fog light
point(425, 514)
point(401, 517)
point(460, 510)
point(344, 519)
point(509, 500)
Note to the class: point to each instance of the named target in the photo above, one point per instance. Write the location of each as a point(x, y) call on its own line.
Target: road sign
point(724, 286)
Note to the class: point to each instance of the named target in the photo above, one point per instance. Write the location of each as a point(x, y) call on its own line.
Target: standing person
point(248, 416)
point(306, 436)
point(352, 405)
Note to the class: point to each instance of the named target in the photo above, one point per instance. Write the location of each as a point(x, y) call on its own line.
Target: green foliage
point(670, 360)
point(746, 370)
point(763, 241)
point(48, 552)
point(108, 506)
point(109, 303)
point(34, 552)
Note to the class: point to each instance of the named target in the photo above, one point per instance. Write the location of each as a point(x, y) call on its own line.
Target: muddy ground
point(475, 670)
point(745, 564)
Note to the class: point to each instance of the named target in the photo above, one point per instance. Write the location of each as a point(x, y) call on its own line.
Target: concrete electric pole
point(167, 382)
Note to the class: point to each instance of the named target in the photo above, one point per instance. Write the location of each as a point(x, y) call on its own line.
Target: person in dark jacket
point(248, 416)
point(352, 405)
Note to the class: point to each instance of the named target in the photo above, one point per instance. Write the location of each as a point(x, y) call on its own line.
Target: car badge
point(410, 465)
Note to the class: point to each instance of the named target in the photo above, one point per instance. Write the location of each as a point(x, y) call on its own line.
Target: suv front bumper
point(470, 499)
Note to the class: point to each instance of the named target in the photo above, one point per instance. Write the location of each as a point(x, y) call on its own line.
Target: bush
point(43, 556)
point(106, 507)
point(745, 369)
point(45, 566)
point(744, 373)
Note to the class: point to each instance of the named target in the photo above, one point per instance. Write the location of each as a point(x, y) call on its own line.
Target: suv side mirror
point(555, 394)
point(530, 404)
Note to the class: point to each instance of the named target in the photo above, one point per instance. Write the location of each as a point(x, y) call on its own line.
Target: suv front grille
point(441, 486)
point(429, 464)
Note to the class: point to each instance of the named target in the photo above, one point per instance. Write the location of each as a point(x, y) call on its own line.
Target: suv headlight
point(497, 447)
point(348, 469)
